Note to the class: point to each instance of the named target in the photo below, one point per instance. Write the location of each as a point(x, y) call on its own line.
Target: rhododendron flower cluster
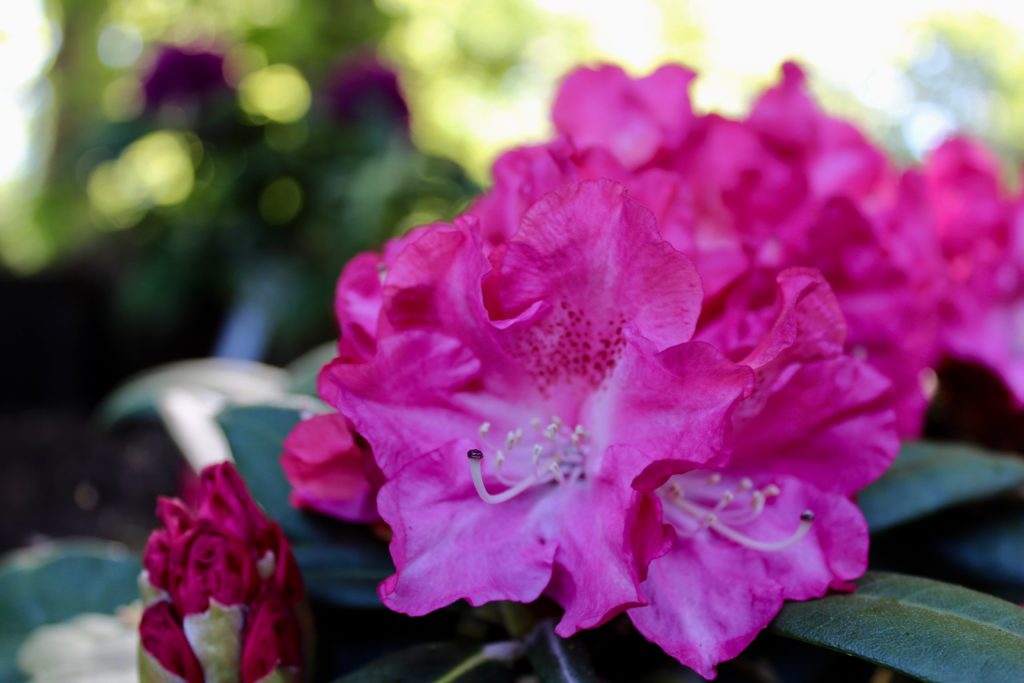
point(647, 371)
point(550, 417)
point(222, 591)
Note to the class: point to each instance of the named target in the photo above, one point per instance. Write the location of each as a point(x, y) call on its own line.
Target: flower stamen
point(720, 517)
point(559, 458)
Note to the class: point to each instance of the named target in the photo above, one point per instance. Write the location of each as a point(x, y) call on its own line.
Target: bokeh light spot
point(155, 170)
point(277, 92)
point(280, 201)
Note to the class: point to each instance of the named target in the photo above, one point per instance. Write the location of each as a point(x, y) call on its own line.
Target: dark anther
point(475, 454)
point(807, 516)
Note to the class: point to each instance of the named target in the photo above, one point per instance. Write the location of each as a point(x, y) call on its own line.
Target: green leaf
point(233, 379)
point(928, 477)
point(928, 629)
point(53, 583)
point(345, 575)
point(558, 660)
point(991, 550)
point(443, 663)
point(255, 435)
point(341, 564)
point(303, 371)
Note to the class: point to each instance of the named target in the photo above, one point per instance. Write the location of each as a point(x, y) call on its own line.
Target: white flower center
point(556, 454)
point(698, 500)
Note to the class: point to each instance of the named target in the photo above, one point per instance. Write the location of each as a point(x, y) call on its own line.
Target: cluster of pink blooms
point(648, 369)
point(222, 591)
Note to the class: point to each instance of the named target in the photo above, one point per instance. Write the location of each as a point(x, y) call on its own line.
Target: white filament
point(721, 519)
point(561, 461)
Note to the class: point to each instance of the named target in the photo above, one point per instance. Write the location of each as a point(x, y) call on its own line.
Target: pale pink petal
point(710, 597)
point(449, 544)
point(676, 405)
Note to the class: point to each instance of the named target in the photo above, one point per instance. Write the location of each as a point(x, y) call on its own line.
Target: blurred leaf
point(233, 379)
point(558, 660)
point(345, 575)
point(53, 583)
point(341, 564)
point(928, 477)
point(442, 663)
point(303, 371)
point(255, 435)
point(992, 551)
point(931, 630)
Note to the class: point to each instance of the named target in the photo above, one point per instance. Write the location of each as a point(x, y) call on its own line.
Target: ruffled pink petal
point(742, 179)
point(710, 597)
point(600, 560)
point(634, 278)
point(847, 163)
point(357, 305)
point(838, 158)
point(449, 544)
point(829, 422)
point(856, 257)
point(785, 113)
point(692, 226)
point(359, 295)
point(404, 401)
point(634, 118)
point(521, 177)
point(803, 323)
point(676, 405)
point(325, 465)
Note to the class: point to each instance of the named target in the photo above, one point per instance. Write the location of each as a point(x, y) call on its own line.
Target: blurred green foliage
point(254, 193)
point(252, 196)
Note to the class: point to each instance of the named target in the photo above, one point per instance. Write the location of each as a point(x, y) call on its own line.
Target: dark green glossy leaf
point(558, 660)
point(442, 663)
point(931, 630)
point(928, 477)
point(345, 575)
point(991, 550)
point(53, 583)
point(341, 564)
point(303, 371)
point(255, 435)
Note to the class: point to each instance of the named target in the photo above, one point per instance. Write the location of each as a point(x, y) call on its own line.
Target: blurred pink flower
point(183, 75)
point(221, 588)
point(981, 233)
point(363, 87)
point(560, 362)
point(636, 119)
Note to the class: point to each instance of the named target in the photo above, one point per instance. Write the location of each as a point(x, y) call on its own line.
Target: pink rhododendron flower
point(789, 186)
point(222, 590)
point(776, 522)
point(561, 363)
point(981, 233)
point(331, 469)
